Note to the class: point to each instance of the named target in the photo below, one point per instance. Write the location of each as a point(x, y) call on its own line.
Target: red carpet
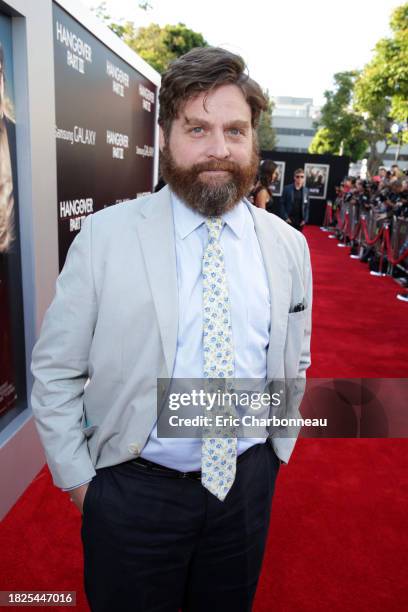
point(360, 329)
point(338, 538)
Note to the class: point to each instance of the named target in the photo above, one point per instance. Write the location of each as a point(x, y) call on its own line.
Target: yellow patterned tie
point(218, 454)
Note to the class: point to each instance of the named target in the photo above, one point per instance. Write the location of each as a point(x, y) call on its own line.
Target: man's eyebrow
point(239, 123)
point(196, 121)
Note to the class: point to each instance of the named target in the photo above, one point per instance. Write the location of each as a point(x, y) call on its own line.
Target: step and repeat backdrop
point(322, 174)
point(105, 127)
point(105, 134)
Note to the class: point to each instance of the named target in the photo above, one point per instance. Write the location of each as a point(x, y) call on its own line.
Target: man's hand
point(289, 220)
point(78, 495)
point(302, 223)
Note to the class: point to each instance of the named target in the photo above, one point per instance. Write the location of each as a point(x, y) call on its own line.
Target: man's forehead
point(204, 103)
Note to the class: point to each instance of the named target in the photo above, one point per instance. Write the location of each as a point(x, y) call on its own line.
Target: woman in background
point(262, 194)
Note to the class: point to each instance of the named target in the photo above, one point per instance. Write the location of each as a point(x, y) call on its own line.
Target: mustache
point(224, 165)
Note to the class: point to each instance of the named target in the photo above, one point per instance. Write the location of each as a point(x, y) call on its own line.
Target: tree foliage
point(266, 133)
point(383, 86)
point(156, 45)
point(341, 129)
point(159, 46)
point(359, 112)
point(323, 142)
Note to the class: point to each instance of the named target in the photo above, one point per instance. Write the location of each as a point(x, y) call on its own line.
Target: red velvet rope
point(384, 233)
point(347, 226)
point(342, 228)
point(367, 239)
point(387, 244)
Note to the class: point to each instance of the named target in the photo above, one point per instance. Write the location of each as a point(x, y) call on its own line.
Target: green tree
point(359, 113)
point(265, 131)
point(342, 130)
point(382, 90)
point(377, 123)
point(156, 45)
point(323, 142)
point(159, 46)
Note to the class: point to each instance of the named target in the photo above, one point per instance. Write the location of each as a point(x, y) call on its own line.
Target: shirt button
point(134, 449)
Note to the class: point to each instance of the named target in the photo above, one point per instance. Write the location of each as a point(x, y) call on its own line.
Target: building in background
point(292, 120)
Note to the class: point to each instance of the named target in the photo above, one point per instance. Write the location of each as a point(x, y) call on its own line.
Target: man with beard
point(192, 282)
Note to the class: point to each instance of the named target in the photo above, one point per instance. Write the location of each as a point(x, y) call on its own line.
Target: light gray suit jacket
point(111, 331)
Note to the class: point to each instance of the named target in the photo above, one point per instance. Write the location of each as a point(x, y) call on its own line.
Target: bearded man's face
point(210, 158)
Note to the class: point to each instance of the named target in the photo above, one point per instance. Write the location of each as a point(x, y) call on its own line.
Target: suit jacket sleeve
point(60, 366)
point(284, 440)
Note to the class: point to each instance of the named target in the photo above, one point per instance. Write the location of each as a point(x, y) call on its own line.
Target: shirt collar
point(186, 220)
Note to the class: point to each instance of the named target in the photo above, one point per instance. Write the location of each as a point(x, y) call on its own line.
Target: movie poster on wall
point(317, 179)
point(276, 185)
point(12, 350)
point(105, 127)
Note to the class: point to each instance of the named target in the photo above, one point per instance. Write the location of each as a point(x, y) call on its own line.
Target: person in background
point(396, 173)
point(295, 201)
point(262, 193)
point(382, 174)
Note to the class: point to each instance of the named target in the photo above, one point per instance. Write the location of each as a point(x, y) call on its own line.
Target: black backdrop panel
point(339, 166)
point(105, 125)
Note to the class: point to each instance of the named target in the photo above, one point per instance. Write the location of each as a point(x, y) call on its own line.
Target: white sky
point(291, 47)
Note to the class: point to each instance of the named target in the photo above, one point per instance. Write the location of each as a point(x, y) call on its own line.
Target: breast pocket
point(294, 339)
point(299, 315)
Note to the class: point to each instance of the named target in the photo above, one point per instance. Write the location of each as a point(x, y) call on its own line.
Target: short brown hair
point(298, 171)
point(203, 69)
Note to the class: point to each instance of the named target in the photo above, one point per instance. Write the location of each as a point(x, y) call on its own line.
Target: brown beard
point(210, 199)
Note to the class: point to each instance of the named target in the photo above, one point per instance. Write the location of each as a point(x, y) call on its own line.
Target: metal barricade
point(369, 231)
point(399, 241)
point(353, 227)
point(371, 226)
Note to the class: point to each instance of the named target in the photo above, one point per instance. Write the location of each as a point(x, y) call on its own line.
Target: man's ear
point(162, 141)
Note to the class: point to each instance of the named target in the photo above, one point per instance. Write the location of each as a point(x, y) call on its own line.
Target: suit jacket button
point(134, 449)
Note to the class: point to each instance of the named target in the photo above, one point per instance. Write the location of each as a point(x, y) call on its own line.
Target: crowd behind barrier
point(371, 217)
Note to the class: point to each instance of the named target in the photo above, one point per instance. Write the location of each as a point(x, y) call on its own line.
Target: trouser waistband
point(157, 467)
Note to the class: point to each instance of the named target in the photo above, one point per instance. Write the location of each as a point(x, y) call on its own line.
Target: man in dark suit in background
point(295, 201)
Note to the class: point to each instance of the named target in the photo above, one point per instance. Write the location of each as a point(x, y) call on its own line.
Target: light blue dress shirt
point(250, 316)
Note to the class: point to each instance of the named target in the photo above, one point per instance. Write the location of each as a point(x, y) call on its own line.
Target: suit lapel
point(276, 266)
point(156, 234)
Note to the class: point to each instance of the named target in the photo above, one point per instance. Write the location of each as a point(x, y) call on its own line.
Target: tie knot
point(214, 226)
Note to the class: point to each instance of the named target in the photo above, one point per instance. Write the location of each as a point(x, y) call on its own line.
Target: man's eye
point(196, 130)
point(235, 131)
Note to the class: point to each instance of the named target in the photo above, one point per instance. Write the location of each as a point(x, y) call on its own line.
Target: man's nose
point(218, 146)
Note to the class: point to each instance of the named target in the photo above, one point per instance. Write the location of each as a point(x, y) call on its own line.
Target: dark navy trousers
point(156, 543)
